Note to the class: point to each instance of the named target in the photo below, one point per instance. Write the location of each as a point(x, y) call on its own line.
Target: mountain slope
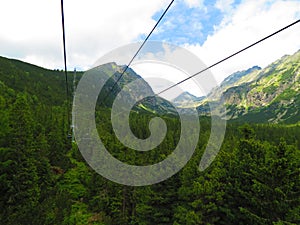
point(151, 104)
point(48, 85)
point(186, 100)
point(262, 95)
point(235, 79)
point(257, 95)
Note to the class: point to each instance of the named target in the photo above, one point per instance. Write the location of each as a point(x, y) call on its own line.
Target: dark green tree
point(21, 191)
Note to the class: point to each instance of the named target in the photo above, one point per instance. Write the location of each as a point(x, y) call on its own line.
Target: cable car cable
point(144, 42)
point(65, 61)
point(228, 57)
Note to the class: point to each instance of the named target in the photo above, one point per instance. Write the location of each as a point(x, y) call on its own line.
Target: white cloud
point(224, 5)
point(158, 71)
point(195, 3)
point(31, 30)
point(247, 23)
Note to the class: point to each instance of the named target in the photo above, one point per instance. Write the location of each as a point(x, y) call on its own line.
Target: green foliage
point(287, 95)
point(44, 179)
point(270, 89)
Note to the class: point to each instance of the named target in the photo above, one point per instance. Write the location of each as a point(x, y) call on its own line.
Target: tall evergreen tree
point(21, 190)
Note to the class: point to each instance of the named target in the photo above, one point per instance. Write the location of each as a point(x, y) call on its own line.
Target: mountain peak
point(186, 99)
point(238, 75)
point(265, 95)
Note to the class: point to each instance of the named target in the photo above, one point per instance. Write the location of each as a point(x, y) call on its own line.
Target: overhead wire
point(230, 56)
point(135, 55)
point(65, 59)
point(144, 42)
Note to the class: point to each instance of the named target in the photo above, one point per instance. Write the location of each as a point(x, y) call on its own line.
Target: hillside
point(270, 94)
point(186, 100)
point(151, 104)
point(45, 180)
point(235, 79)
point(47, 85)
point(262, 95)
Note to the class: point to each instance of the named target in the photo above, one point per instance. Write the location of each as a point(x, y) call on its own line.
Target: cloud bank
point(243, 25)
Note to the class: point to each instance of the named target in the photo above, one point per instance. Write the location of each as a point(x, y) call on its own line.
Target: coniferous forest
point(44, 179)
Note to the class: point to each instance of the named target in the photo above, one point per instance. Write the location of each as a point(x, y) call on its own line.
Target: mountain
point(47, 85)
point(235, 79)
point(115, 80)
point(45, 179)
point(128, 82)
point(261, 95)
point(257, 94)
point(186, 100)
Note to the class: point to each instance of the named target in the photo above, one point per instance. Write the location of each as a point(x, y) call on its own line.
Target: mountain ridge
point(186, 100)
point(269, 94)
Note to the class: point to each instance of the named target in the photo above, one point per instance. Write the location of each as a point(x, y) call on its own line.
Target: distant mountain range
point(265, 95)
point(257, 94)
point(187, 100)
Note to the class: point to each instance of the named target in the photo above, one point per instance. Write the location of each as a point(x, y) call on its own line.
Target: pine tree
point(21, 191)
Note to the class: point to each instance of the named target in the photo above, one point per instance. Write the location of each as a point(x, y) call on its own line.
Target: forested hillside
point(44, 179)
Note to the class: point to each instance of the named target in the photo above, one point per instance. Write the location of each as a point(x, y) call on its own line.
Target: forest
point(45, 180)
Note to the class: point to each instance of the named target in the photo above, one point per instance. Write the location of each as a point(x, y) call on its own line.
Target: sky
point(211, 29)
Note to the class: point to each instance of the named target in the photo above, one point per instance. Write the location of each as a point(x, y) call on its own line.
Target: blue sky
point(216, 29)
point(31, 30)
point(184, 24)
